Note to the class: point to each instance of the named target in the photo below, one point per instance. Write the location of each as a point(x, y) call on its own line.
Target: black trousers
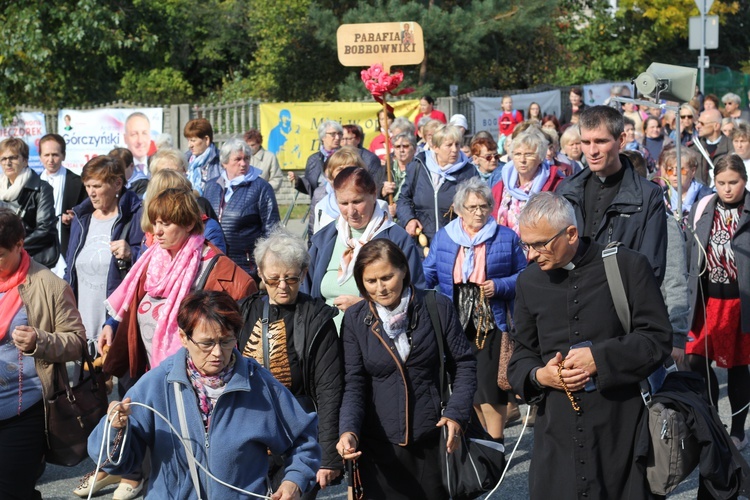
point(22, 446)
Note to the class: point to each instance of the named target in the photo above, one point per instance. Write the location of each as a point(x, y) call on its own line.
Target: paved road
point(58, 482)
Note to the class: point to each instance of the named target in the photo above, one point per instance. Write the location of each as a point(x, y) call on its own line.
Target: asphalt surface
point(58, 483)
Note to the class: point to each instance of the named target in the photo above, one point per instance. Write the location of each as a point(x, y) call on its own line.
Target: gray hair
point(409, 136)
point(444, 132)
point(554, 208)
point(731, 97)
point(532, 138)
point(402, 124)
point(164, 140)
point(233, 145)
point(423, 121)
point(476, 186)
point(323, 128)
point(741, 130)
point(286, 248)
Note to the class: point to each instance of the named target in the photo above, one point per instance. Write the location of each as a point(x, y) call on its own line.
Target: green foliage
point(163, 86)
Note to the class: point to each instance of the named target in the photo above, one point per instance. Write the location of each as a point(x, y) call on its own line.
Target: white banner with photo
point(597, 93)
point(95, 132)
point(30, 127)
point(487, 109)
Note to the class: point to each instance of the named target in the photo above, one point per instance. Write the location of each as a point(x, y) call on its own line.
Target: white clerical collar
point(569, 266)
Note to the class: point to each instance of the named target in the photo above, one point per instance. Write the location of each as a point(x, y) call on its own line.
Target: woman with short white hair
point(475, 261)
point(527, 174)
point(425, 201)
point(244, 202)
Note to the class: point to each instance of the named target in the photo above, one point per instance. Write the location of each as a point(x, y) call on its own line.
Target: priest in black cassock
point(565, 316)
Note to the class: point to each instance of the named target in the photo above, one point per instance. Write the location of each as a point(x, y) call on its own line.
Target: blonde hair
point(165, 158)
point(160, 181)
point(347, 156)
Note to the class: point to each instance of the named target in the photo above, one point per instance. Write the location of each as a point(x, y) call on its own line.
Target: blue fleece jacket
point(253, 415)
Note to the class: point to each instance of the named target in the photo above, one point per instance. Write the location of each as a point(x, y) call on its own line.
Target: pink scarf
point(167, 278)
point(10, 303)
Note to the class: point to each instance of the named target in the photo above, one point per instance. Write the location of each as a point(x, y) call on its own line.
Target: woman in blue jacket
point(233, 413)
point(424, 203)
point(390, 418)
point(475, 261)
point(244, 202)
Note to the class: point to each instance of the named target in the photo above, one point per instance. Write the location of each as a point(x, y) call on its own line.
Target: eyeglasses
point(686, 117)
point(291, 280)
point(672, 170)
point(209, 346)
point(526, 156)
point(335, 134)
point(402, 146)
point(541, 247)
point(480, 208)
point(490, 157)
point(9, 159)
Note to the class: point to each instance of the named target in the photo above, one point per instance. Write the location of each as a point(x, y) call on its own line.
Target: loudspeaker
point(664, 81)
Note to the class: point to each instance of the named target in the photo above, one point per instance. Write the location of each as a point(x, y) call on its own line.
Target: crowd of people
point(279, 359)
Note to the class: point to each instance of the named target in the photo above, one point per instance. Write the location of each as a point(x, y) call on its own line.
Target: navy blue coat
point(128, 206)
point(250, 214)
point(504, 260)
point(418, 199)
point(322, 249)
point(635, 218)
point(386, 399)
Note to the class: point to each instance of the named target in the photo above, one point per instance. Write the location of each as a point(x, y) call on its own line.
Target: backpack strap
point(702, 204)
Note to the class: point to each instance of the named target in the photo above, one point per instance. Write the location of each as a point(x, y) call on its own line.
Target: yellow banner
point(290, 129)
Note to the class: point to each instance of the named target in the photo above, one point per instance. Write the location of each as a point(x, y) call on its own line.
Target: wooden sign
point(390, 44)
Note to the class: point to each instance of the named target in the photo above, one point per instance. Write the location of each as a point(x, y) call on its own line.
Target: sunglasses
point(490, 157)
point(402, 146)
point(687, 117)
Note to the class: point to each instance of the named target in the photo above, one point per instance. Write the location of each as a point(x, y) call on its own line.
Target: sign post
point(704, 6)
point(387, 44)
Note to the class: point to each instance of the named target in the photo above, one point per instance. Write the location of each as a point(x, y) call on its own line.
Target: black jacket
point(73, 194)
point(389, 400)
point(724, 471)
point(37, 210)
point(318, 348)
point(635, 218)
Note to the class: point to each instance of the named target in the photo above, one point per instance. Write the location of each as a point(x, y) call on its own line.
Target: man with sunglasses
point(713, 144)
point(573, 357)
point(611, 201)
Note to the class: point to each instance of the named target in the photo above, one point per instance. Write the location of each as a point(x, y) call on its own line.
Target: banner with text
point(96, 132)
point(30, 127)
point(487, 109)
point(290, 129)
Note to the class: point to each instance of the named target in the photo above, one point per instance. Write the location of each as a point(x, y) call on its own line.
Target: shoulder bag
point(477, 465)
point(674, 452)
point(73, 412)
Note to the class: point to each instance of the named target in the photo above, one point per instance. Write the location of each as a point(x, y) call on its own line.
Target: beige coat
point(52, 312)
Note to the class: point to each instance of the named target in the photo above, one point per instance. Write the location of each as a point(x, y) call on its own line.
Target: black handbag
point(73, 412)
point(477, 465)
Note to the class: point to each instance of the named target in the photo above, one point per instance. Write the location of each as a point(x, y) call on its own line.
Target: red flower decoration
point(378, 82)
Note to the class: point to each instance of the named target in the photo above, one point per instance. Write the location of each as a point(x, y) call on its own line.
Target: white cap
point(459, 121)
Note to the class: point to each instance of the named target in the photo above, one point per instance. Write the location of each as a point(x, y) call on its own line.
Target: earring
point(117, 195)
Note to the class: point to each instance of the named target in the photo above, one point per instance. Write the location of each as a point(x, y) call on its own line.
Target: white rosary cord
point(186, 444)
point(510, 458)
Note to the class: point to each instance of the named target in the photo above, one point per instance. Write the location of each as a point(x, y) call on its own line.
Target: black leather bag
point(477, 465)
point(73, 412)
